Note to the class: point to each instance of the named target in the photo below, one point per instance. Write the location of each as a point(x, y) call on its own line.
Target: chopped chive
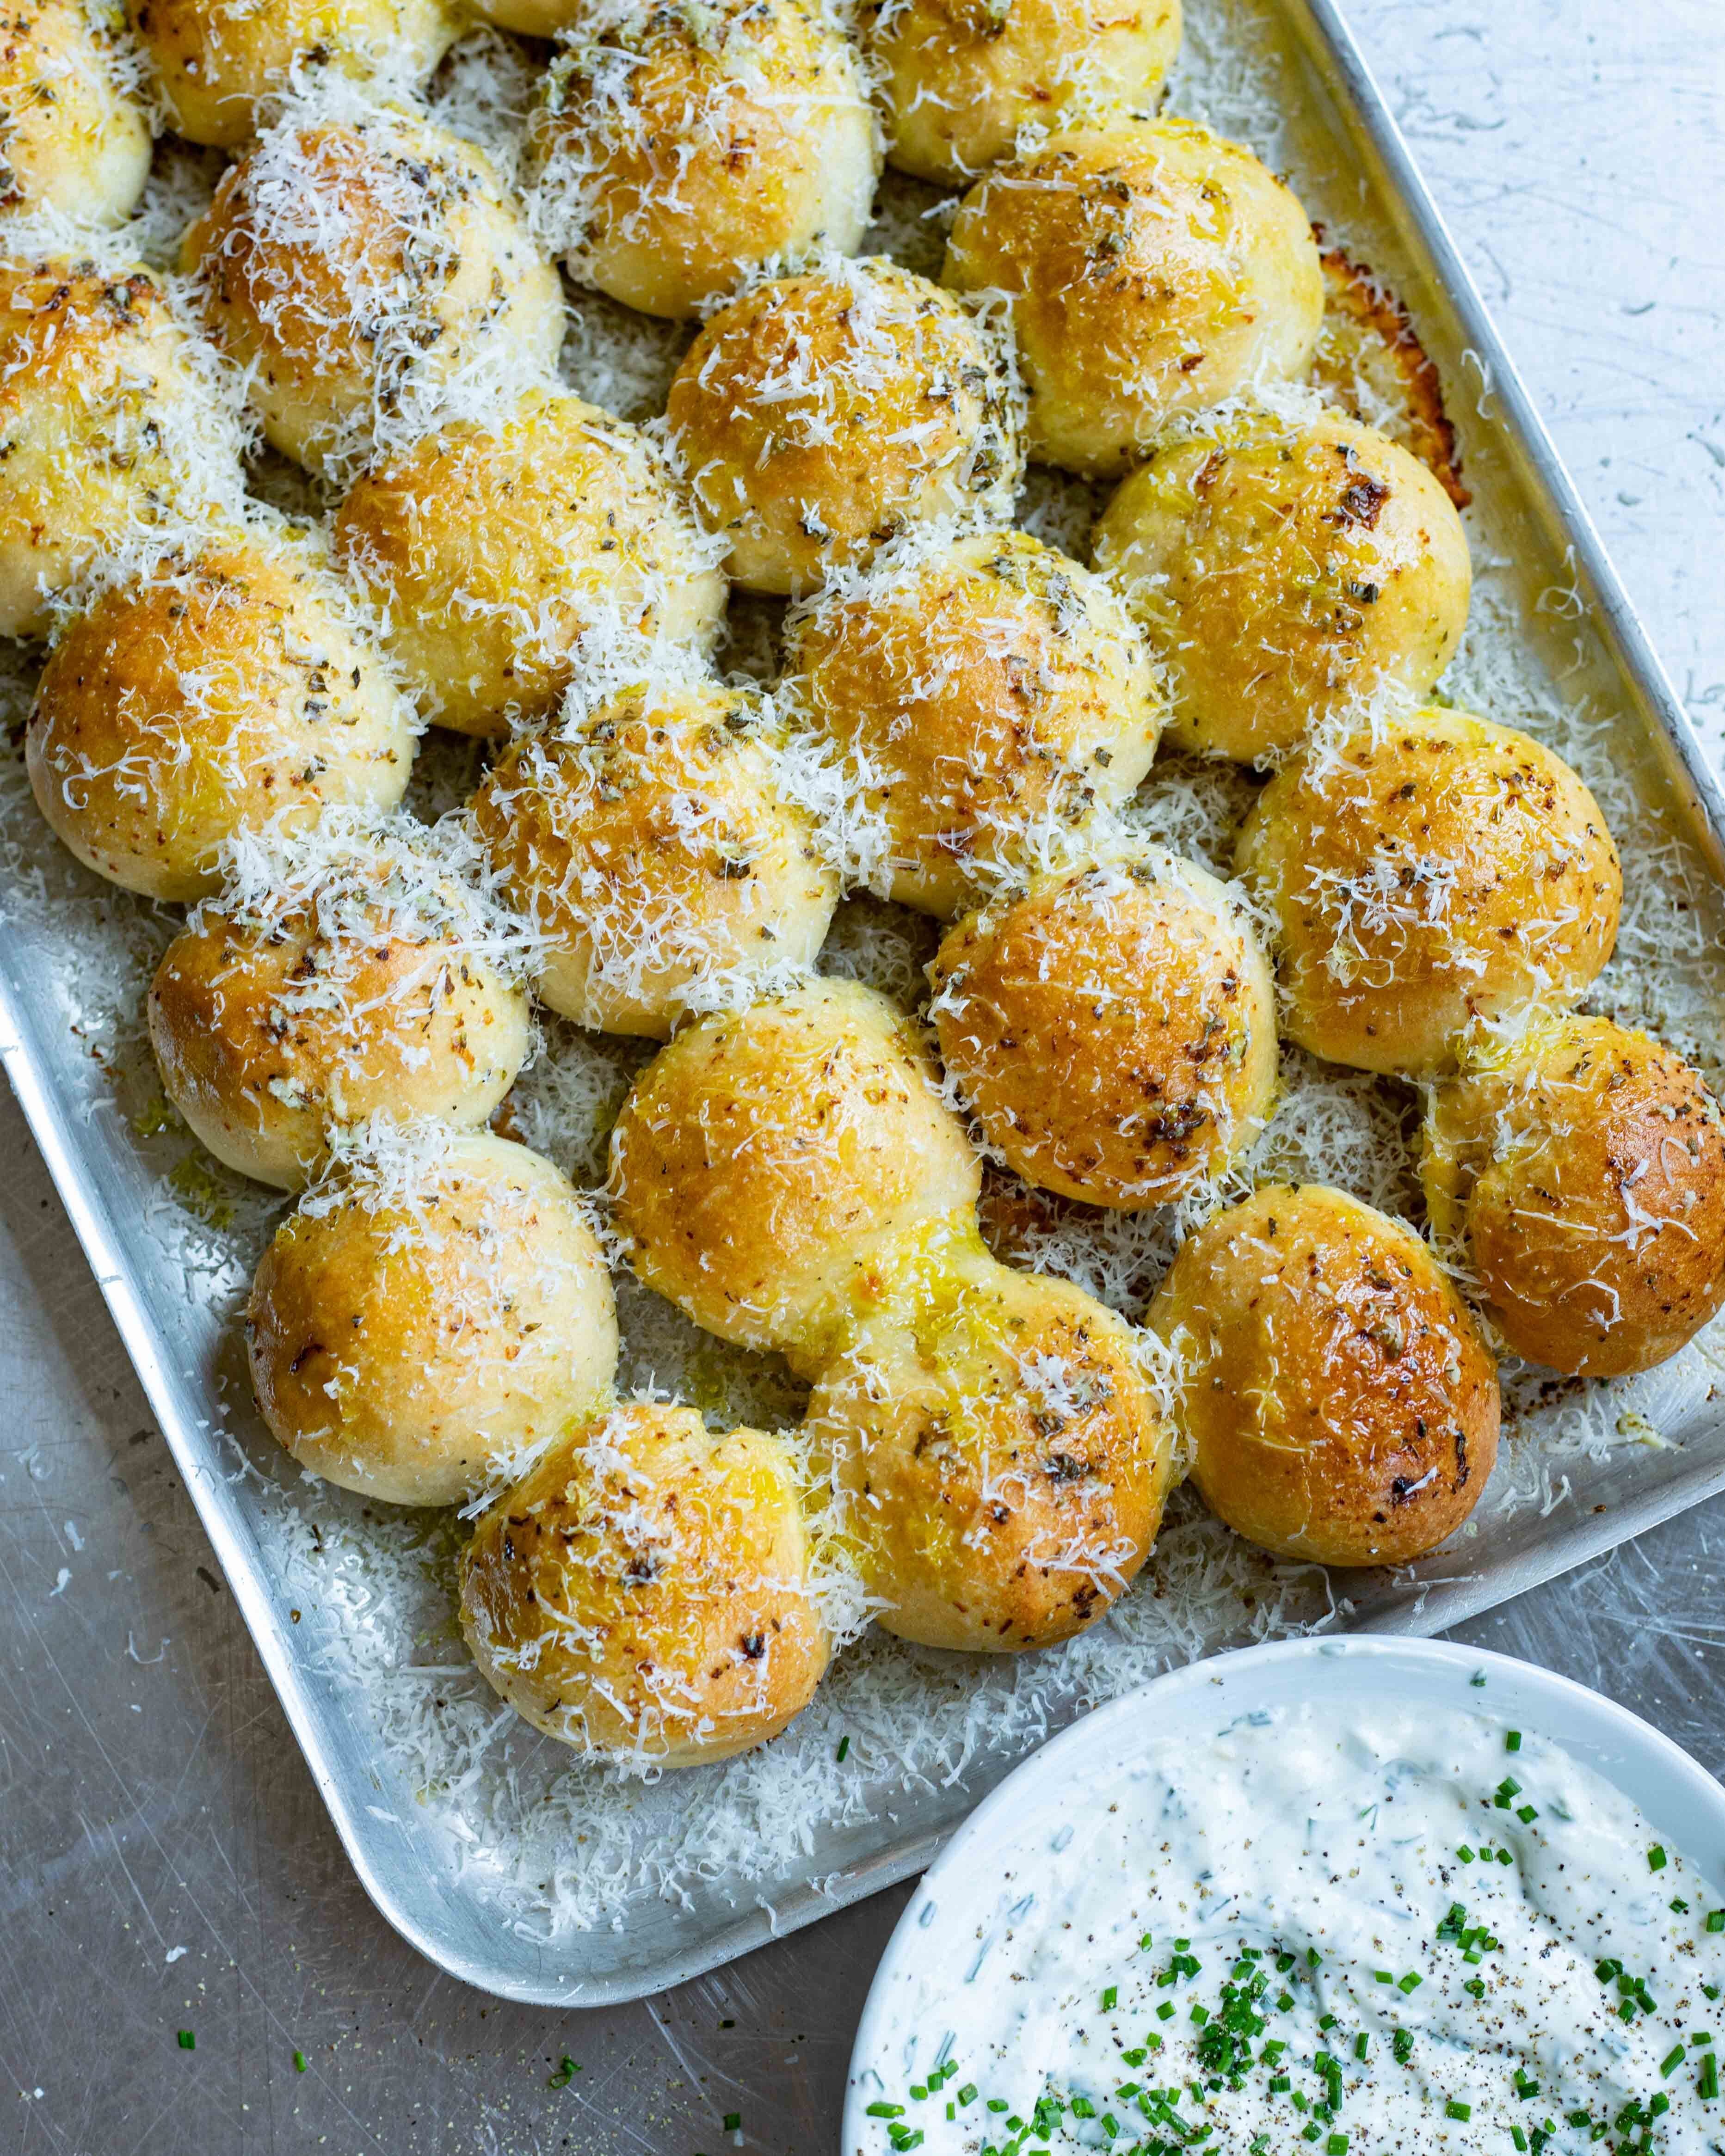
point(1708, 2084)
point(188, 2042)
point(733, 2120)
point(1465, 1854)
point(844, 1747)
point(1504, 1857)
point(1655, 1858)
point(1516, 2136)
point(566, 2073)
point(1456, 2108)
point(1360, 2043)
point(1715, 1920)
point(1527, 1814)
point(1110, 1997)
point(893, 2110)
point(299, 2062)
point(967, 2095)
point(1411, 1982)
point(1670, 2063)
point(1384, 1975)
point(1512, 1740)
point(1679, 1907)
point(1402, 2044)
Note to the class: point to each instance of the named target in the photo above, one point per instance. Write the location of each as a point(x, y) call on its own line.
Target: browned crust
point(1353, 292)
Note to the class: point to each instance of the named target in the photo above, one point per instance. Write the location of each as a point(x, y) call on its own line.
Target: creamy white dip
point(1389, 1931)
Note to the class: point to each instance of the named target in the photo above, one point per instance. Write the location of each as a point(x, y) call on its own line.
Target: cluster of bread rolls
point(231, 699)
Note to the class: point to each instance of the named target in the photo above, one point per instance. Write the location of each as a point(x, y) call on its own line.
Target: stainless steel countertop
point(165, 1860)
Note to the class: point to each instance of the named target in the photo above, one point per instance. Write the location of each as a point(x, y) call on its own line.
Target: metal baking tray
point(1342, 150)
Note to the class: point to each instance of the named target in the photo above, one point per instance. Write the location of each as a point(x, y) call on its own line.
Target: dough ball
point(650, 844)
point(1113, 1027)
point(490, 551)
point(1339, 1403)
point(960, 77)
point(644, 1595)
point(1283, 571)
point(217, 63)
point(768, 1156)
point(210, 695)
point(336, 977)
point(678, 149)
point(1151, 268)
point(999, 1454)
point(818, 417)
point(356, 269)
point(74, 135)
point(416, 1325)
point(991, 694)
point(109, 429)
point(1578, 1170)
point(1435, 872)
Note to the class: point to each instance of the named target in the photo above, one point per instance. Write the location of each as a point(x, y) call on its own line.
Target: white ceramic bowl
point(960, 1889)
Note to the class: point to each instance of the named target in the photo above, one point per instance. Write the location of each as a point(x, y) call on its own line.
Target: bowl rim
point(1568, 1713)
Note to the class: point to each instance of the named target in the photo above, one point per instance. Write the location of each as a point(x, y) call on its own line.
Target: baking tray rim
point(1331, 46)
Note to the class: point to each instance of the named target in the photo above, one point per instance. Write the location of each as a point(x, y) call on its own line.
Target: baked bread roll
point(644, 1595)
point(112, 434)
point(960, 77)
point(818, 417)
point(677, 151)
point(346, 973)
point(765, 1159)
point(429, 1316)
point(215, 693)
point(1112, 1026)
point(1577, 1171)
point(492, 550)
point(1424, 876)
point(219, 66)
point(998, 1451)
point(356, 270)
point(650, 844)
point(1282, 571)
point(1151, 268)
point(73, 135)
point(989, 695)
point(1338, 1401)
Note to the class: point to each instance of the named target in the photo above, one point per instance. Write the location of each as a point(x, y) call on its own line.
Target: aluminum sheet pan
point(1342, 146)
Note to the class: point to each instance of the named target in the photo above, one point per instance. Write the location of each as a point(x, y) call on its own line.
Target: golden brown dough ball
point(340, 976)
point(73, 136)
point(767, 1157)
point(422, 1320)
point(1579, 1171)
point(1282, 571)
point(992, 694)
point(679, 149)
point(1151, 268)
point(217, 64)
point(357, 269)
point(651, 847)
point(961, 77)
point(210, 695)
point(819, 417)
point(110, 431)
point(999, 1454)
point(1113, 1027)
point(1339, 1402)
point(1438, 872)
point(644, 1595)
point(490, 551)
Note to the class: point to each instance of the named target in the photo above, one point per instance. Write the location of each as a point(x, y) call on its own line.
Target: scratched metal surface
point(151, 1802)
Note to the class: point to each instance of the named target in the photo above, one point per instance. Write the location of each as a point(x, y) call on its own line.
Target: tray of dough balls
point(839, 894)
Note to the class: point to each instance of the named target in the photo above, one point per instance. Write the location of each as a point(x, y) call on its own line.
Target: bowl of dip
point(1371, 1896)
